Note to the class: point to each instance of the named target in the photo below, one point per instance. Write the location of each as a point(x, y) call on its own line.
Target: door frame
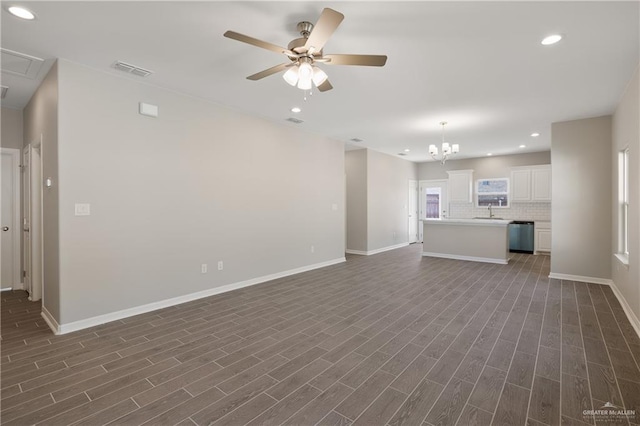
point(422, 200)
point(17, 276)
point(415, 194)
point(34, 213)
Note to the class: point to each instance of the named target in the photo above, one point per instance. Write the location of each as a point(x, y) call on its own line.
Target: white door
point(10, 217)
point(413, 211)
point(433, 201)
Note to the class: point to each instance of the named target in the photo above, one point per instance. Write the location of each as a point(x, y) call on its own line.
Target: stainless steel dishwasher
point(521, 237)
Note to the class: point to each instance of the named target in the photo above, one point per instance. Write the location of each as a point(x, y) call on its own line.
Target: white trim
point(592, 280)
point(468, 258)
point(125, 313)
point(17, 275)
point(633, 319)
point(376, 251)
point(623, 258)
point(51, 321)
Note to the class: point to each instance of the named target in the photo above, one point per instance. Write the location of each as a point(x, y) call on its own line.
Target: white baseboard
point(51, 321)
point(468, 258)
point(633, 319)
point(569, 277)
point(376, 251)
point(125, 313)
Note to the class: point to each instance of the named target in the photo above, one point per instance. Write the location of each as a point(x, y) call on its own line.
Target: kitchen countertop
point(468, 222)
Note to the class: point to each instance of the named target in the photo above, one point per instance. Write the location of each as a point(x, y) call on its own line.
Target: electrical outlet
point(220, 265)
point(313, 249)
point(203, 268)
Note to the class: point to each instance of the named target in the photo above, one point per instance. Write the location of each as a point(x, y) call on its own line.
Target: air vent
point(294, 120)
point(132, 69)
point(5, 89)
point(402, 154)
point(355, 140)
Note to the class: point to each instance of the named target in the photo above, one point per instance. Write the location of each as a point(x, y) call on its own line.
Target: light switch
point(83, 209)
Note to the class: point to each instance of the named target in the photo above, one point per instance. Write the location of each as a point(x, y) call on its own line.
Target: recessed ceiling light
point(21, 12)
point(535, 134)
point(523, 146)
point(489, 154)
point(295, 109)
point(407, 150)
point(552, 39)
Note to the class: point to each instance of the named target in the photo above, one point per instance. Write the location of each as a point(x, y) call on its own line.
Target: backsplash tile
point(518, 211)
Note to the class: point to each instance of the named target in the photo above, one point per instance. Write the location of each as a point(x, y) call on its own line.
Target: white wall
point(356, 172)
point(198, 184)
point(387, 198)
point(11, 126)
point(581, 192)
point(41, 120)
point(625, 125)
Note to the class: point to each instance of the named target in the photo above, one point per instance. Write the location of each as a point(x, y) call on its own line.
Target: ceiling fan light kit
point(303, 52)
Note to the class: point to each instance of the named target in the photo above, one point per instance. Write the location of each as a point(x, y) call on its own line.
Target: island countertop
point(479, 240)
point(474, 222)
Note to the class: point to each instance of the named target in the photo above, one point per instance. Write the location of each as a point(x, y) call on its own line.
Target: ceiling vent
point(5, 89)
point(355, 140)
point(401, 154)
point(20, 64)
point(132, 69)
point(295, 120)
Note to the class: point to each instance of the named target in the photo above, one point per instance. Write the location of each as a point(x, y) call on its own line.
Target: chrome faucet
point(490, 211)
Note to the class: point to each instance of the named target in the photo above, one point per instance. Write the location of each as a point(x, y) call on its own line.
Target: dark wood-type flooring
point(387, 339)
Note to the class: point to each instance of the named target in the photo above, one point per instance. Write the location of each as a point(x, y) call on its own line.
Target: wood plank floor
point(387, 339)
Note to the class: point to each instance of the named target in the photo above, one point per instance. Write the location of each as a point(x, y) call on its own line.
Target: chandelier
point(303, 74)
point(446, 148)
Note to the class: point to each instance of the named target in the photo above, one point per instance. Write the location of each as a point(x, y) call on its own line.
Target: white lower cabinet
point(542, 237)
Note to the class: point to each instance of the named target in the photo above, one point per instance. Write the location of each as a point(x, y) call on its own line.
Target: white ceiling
point(478, 65)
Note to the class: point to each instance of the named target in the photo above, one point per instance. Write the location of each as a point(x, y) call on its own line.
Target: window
point(433, 203)
point(494, 192)
point(623, 195)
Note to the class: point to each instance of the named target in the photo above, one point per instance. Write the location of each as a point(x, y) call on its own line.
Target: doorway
point(10, 214)
point(32, 220)
point(413, 212)
point(433, 201)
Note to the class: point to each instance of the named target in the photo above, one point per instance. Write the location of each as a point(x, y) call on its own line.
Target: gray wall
point(483, 168)
point(41, 119)
point(11, 128)
point(387, 197)
point(356, 172)
point(198, 184)
point(581, 192)
point(625, 125)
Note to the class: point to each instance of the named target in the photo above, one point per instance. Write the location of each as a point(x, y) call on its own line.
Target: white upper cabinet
point(460, 186)
point(521, 184)
point(541, 183)
point(531, 183)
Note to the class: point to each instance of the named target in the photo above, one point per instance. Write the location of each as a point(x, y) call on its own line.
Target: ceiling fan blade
point(325, 86)
point(269, 71)
point(366, 60)
point(322, 30)
point(259, 43)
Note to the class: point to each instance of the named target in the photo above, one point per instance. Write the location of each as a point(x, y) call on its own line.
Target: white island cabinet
point(478, 240)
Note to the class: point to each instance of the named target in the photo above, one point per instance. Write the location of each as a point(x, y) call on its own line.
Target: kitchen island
point(478, 240)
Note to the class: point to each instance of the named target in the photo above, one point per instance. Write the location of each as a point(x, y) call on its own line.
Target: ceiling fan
point(305, 51)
